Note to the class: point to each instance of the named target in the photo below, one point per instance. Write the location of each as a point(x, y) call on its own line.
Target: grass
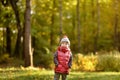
point(38, 74)
point(94, 76)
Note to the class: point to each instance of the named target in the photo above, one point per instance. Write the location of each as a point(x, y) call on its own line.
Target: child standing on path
point(63, 59)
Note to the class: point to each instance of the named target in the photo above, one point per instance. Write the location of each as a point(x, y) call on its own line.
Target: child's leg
point(64, 76)
point(56, 76)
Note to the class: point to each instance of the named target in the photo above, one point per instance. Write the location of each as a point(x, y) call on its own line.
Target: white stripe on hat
point(65, 39)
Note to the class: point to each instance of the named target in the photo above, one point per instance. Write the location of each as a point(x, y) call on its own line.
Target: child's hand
point(56, 65)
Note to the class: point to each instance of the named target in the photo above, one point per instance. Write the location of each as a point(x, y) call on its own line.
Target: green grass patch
point(94, 76)
point(38, 74)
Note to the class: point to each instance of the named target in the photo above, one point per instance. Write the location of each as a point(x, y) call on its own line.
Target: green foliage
point(108, 62)
point(7, 61)
point(4, 58)
point(44, 60)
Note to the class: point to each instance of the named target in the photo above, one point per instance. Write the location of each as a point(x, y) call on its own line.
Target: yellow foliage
point(84, 63)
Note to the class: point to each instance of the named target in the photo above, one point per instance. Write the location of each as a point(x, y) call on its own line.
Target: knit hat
point(65, 39)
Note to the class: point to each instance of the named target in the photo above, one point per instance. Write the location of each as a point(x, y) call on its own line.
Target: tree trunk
point(119, 41)
point(8, 40)
point(74, 47)
point(3, 42)
point(52, 27)
point(93, 22)
point(27, 37)
point(97, 29)
point(116, 41)
point(85, 46)
point(19, 28)
point(60, 14)
point(84, 11)
point(78, 23)
point(93, 11)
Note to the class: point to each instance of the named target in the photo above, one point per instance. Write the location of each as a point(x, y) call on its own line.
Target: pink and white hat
point(65, 39)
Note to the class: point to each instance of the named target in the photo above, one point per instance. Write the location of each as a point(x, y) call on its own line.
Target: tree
point(97, 30)
point(60, 15)
point(85, 46)
point(27, 37)
point(8, 39)
point(116, 40)
point(78, 23)
point(19, 27)
point(6, 30)
point(14, 6)
point(52, 25)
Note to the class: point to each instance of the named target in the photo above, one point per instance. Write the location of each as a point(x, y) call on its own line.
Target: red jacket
point(63, 60)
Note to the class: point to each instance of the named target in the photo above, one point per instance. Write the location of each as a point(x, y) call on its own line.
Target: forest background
point(93, 27)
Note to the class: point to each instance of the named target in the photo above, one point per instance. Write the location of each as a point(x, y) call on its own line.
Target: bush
point(7, 61)
point(43, 60)
point(108, 62)
point(84, 63)
point(4, 58)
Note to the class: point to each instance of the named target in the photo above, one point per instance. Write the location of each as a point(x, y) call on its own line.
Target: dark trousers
point(57, 76)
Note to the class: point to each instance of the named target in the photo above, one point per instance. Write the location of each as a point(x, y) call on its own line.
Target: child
point(63, 59)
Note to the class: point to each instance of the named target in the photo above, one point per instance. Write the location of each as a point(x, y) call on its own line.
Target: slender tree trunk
point(8, 40)
point(93, 11)
point(27, 37)
point(116, 42)
point(78, 23)
point(7, 35)
point(60, 13)
point(119, 41)
point(97, 29)
point(19, 28)
point(74, 47)
point(93, 24)
point(3, 42)
point(52, 26)
point(85, 46)
point(84, 11)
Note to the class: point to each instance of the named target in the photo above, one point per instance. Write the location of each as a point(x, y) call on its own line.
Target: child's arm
point(55, 59)
point(70, 61)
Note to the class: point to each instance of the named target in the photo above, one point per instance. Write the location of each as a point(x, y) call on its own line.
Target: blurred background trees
point(91, 25)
